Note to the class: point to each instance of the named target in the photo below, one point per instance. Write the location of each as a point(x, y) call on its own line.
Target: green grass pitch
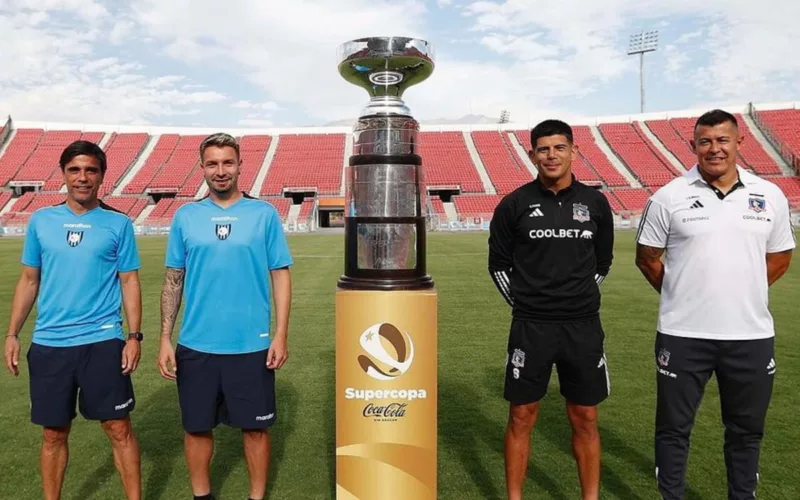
point(473, 326)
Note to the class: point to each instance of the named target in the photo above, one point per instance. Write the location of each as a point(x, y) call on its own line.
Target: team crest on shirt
point(223, 231)
point(580, 212)
point(757, 204)
point(663, 357)
point(74, 238)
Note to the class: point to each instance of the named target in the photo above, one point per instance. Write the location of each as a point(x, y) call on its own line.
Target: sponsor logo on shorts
point(124, 405)
point(772, 366)
point(262, 418)
point(666, 373)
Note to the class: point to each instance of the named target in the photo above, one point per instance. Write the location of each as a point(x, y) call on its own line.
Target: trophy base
point(386, 368)
point(385, 284)
point(385, 253)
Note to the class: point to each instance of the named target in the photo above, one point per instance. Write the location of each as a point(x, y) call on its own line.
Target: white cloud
point(752, 51)
point(261, 106)
point(121, 31)
point(70, 62)
point(288, 49)
point(53, 73)
point(745, 51)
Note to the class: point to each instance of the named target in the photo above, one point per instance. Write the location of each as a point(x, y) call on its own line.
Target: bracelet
point(15, 335)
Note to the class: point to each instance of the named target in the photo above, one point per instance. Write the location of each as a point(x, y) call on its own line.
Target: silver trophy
point(385, 204)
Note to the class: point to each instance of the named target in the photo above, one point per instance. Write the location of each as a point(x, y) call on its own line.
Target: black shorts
point(90, 374)
point(575, 348)
point(237, 390)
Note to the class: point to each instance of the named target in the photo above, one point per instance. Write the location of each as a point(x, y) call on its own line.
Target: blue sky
point(241, 63)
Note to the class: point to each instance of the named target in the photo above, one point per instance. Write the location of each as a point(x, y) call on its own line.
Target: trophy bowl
point(385, 67)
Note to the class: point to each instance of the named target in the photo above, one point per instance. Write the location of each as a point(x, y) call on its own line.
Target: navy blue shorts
point(90, 375)
point(237, 390)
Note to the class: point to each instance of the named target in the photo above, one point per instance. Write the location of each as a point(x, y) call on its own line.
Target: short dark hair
point(87, 148)
point(548, 128)
point(715, 117)
point(219, 140)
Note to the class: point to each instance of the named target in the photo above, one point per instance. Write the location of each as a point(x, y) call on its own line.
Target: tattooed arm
point(171, 294)
point(648, 260)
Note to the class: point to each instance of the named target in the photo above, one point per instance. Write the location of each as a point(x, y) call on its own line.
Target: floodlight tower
point(641, 43)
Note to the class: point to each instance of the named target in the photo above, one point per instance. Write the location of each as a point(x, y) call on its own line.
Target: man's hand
point(277, 354)
point(12, 354)
point(130, 356)
point(166, 359)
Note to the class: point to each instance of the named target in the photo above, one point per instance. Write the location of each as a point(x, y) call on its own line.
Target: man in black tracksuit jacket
point(550, 246)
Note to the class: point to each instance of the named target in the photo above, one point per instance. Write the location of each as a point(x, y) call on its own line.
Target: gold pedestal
point(386, 395)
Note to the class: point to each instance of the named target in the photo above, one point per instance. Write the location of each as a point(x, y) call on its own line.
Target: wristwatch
point(135, 336)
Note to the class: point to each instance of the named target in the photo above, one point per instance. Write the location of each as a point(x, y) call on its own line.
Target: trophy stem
point(385, 106)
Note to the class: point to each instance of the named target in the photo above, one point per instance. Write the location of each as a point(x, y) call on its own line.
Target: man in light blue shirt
point(80, 259)
point(221, 254)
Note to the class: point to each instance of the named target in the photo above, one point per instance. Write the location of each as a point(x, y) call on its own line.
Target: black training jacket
point(548, 253)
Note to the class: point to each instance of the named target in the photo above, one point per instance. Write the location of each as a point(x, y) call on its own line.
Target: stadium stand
point(437, 206)
point(282, 205)
point(155, 162)
point(122, 150)
point(19, 150)
point(175, 172)
point(673, 141)
point(253, 150)
point(447, 162)
point(505, 168)
point(783, 127)
point(631, 148)
point(5, 197)
point(307, 166)
point(131, 205)
point(476, 204)
point(312, 161)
